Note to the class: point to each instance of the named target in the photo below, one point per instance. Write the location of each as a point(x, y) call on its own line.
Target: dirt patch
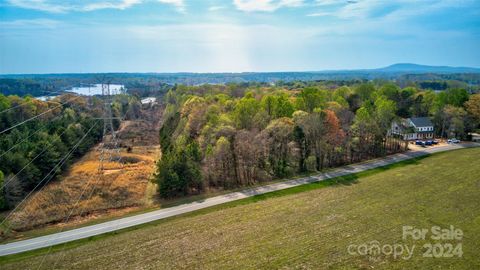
point(129, 160)
point(144, 131)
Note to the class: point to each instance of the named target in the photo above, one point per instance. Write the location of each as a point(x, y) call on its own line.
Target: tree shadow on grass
point(345, 180)
point(306, 183)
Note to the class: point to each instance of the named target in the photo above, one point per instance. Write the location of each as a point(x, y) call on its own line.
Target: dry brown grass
point(84, 191)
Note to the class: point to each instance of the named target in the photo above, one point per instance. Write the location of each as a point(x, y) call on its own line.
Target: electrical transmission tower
point(109, 146)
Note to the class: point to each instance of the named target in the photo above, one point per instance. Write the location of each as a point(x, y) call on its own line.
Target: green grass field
point(308, 227)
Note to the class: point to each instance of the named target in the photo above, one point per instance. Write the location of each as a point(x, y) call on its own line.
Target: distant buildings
point(415, 128)
point(149, 100)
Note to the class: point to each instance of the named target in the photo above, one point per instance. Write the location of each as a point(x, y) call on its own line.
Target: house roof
point(421, 121)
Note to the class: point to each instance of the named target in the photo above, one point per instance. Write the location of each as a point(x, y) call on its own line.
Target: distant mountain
point(414, 68)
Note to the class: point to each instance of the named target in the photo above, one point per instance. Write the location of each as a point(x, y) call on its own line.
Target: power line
point(36, 132)
point(30, 102)
point(107, 125)
point(115, 145)
point(100, 172)
point(97, 179)
point(30, 162)
point(38, 115)
point(59, 164)
point(26, 138)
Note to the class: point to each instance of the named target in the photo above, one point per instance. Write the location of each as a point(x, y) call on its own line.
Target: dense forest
point(49, 85)
point(26, 87)
point(229, 135)
point(40, 139)
point(226, 136)
point(154, 84)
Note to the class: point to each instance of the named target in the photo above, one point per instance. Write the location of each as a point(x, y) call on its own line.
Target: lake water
point(96, 89)
point(45, 98)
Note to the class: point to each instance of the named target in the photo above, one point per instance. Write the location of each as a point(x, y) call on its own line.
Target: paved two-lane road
point(110, 226)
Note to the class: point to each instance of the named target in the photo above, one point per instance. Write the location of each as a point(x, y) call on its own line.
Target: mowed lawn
point(305, 230)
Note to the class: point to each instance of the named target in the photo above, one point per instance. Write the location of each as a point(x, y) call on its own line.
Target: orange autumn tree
point(334, 136)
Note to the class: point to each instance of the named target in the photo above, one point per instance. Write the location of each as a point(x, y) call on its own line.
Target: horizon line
point(379, 69)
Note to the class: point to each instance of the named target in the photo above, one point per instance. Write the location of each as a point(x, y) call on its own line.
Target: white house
point(415, 128)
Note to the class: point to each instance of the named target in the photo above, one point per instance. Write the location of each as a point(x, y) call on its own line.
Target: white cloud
point(265, 5)
point(179, 4)
point(216, 8)
point(41, 23)
point(39, 5)
point(329, 2)
point(392, 9)
point(212, 47)
point(220, 47)
point(59, 6)
point(319, 14)
point(350, 9)
point(110, 5)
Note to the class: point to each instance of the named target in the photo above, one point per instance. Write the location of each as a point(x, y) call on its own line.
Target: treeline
point(30, 152)
point(231, 136)
point(51, 85)
point(23, 87)
point(156, 84)
point(147, 88)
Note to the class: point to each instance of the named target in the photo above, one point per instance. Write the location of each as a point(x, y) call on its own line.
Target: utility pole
point(109, 144)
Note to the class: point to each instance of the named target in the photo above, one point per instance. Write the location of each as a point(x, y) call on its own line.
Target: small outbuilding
point(475, 137)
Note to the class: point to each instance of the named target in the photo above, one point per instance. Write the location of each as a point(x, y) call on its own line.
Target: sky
point(80, 36)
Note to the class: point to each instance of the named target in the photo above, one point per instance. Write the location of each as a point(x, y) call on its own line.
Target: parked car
point(418, 143)
point(453, 140)
point(435, 142)
point(428, 142)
